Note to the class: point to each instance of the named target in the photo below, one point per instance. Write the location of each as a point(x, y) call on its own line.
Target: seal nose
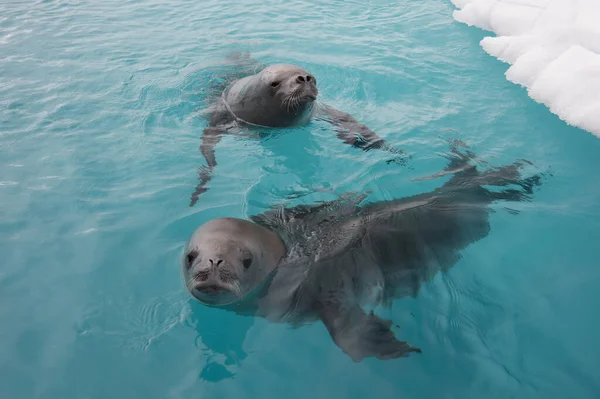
point(302, 79)
point(215, 263)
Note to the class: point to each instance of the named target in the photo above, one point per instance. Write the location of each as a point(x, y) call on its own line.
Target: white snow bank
point(553, 47)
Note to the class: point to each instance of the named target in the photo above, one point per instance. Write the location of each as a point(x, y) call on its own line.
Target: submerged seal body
point(328, 262)
point(276, 96)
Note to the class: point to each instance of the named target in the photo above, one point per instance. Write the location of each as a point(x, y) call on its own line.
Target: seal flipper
point(360, 334)
point(210, 138)
point(356, 134)
point(467, 175)
point(236, 65)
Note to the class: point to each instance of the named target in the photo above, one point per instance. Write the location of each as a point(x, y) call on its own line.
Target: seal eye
point(275, 83)
point(190, 257)
point(247, 262)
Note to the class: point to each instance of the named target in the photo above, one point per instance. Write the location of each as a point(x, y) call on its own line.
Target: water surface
point(100, 120)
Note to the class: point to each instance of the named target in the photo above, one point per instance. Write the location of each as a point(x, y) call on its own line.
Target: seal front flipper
point(360, 334)
point(210, 138)
point(356, 134)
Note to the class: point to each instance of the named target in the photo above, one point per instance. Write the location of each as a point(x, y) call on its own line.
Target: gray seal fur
point(343, 256)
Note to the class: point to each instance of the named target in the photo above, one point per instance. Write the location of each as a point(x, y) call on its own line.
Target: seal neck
point(249, 303)
point(234, 116)
point(243, 121)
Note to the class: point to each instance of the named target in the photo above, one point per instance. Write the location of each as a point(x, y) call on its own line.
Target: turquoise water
point(100, 117)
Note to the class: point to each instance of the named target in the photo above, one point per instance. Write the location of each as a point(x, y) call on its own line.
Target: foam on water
point(553, 47)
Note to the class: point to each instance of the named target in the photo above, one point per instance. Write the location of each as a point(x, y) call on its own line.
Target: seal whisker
point(295, 101)
point(237, 289)
point(292, 101)
point(285, 103)
point(201, 276)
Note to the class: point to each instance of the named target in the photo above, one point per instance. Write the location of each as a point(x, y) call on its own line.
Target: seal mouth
point(309, 94)
point(211, 289)
point(215, 294)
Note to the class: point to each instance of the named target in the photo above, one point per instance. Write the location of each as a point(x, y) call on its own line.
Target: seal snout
point(308, 86)
point(310, 96)
point(305, 78)
point(213, 277)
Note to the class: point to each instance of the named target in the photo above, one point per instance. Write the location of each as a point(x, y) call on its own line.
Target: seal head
point(280, 95)
point(226, 259)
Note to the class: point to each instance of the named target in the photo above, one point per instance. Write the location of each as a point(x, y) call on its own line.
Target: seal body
point(343, 256)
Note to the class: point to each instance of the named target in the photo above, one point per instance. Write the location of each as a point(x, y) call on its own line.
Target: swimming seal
point(277, 96)
point(329, 261)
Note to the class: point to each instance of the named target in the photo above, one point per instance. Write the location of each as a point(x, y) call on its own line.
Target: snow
point(553, 48)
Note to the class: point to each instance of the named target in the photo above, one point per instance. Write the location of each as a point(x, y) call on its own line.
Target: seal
point(328, 262)
point(277, 96)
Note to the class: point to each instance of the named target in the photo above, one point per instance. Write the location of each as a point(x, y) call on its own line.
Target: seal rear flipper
point(467, 175)
point(362, 335)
